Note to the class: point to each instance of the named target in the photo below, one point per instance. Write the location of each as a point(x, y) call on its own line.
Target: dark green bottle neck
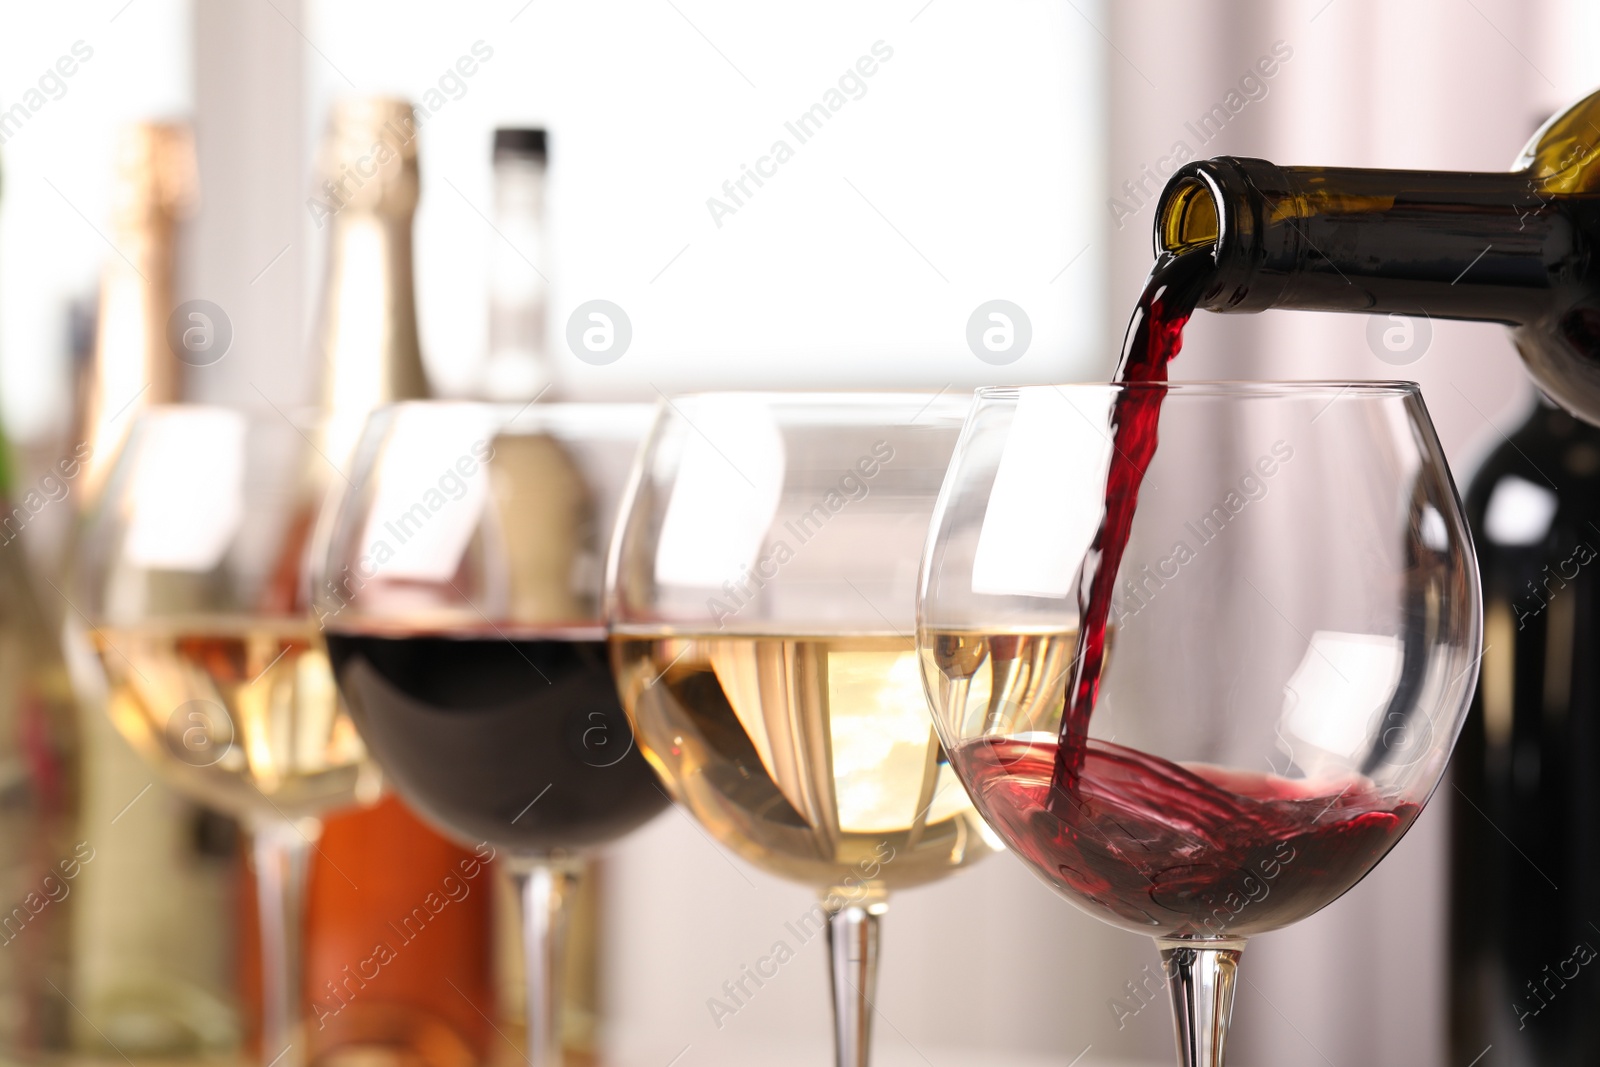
point(1449, 244)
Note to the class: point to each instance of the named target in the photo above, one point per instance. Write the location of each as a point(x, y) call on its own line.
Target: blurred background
point(1003, 151)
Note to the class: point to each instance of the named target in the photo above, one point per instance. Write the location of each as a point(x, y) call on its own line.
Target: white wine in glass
point(812, 756)
point(189, 576)
point(243, 711)
point(761, 590)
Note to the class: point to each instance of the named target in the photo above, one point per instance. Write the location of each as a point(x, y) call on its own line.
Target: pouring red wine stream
point(1154, 337)
point(1110, 822)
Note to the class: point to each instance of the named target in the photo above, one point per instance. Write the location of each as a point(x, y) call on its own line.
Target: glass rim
point(1242, 387)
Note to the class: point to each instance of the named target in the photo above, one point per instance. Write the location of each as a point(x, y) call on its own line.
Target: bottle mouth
point(1227, 207)
point(1187, 217)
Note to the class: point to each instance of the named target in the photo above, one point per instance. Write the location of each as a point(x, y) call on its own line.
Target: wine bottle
point(43, 850)
point(153, 191)
point(1528, 812)
point(519, 370)
point(153, 923)
point(1514, 247)
point(432, 995)
point(45, 847)
point(518, 367)
point(367, 339)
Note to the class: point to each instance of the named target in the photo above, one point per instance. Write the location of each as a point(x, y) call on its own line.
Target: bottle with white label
point(435, 1003)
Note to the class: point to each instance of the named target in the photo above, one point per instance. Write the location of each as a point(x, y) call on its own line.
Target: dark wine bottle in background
point(1525, 864)
point(1516, 247)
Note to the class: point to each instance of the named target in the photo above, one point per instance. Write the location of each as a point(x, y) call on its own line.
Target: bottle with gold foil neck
point(154, 189)
point(431, 1004)
point(366, 201)
point(152, 932)
point(1515, 247)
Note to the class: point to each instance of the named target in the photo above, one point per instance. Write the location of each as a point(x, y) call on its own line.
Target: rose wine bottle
point(152, 927)
point(377, 987)
point(1525, 875)
point(1514, 247)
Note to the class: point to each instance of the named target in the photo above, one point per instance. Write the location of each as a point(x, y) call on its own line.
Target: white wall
point(964, 173)
point(54, 202)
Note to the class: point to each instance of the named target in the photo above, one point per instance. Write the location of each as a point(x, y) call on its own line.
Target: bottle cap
point(528, 142)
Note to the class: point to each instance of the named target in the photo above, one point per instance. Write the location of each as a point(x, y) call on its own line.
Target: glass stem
point(1201, 981)
point(281, 850)
point(853, 968)
point(544, 889)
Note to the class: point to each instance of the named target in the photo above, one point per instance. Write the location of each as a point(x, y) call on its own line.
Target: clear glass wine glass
point(760, 597)
point(459, 589)
point(188, 579)
point(1288, 658)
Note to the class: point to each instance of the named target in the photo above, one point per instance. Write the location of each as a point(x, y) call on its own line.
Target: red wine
point(515, 740)
point(1154, 337)
point(1193, 851)
point(1196, 852)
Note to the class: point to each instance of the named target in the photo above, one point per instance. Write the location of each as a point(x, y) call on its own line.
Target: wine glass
point(459, 589)
point(760, 597)
point(188, 577)
point(1289, 654)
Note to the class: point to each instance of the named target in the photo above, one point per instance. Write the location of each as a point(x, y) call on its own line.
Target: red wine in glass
point(1181, 851)
point(1175, 851)
point(513, 736)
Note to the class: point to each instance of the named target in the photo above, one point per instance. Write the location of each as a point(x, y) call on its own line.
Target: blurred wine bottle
point(518, 367)
point(153, 939)
point(1524, 765)
point(397, 970)
point(40, 778)
point(155, 187)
